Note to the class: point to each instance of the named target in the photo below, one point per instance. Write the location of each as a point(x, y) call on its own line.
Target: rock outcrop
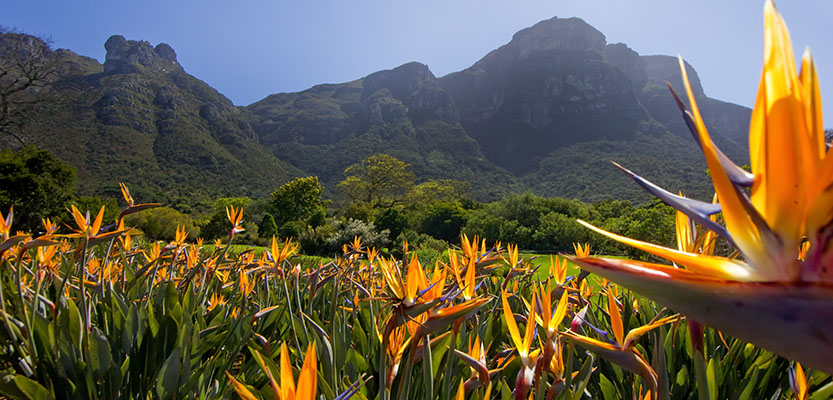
point(135, 56)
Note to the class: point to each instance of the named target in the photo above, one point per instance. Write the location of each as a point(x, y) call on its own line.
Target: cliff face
point(403, 112)
point(558, 83)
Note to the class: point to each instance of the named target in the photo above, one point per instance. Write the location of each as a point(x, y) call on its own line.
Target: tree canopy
point(379, 180)
point(36, 183)
point(298, 199)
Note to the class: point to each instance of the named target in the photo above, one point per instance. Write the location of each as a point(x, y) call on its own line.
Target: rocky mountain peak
point(557, 33)
point(130, 56)
point(401, 81)
point(416, 90)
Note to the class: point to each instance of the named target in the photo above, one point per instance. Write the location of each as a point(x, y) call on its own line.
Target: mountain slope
point(402, 112)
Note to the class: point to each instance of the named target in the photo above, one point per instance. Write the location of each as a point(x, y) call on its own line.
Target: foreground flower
point(90, 230)
point(773, 298)
point(523, 344)
point(286, 389)
point(623, 351)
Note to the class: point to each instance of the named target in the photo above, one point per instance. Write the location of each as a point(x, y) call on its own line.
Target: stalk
point(31, 339)
point(448, 365)
point(427, 366)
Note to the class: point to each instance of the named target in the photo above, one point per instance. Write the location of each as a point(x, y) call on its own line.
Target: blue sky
point(250, 49)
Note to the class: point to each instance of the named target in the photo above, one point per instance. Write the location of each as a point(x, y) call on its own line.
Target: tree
point(432, 190)
point(36, 183)
point(27, 69)
point(442, 220)
point(297, 200)
point(380, 180)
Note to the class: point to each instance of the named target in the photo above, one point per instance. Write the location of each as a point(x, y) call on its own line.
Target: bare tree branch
point(28, 69)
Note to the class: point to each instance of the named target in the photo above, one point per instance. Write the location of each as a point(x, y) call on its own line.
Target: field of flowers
point(98, 313)
point(102, 315)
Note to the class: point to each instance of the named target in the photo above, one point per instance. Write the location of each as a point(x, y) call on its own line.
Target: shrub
point(345, 231)
point(160, 223)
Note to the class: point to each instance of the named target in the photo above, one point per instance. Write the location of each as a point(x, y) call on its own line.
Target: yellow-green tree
point(381, 181)
point(297, 200)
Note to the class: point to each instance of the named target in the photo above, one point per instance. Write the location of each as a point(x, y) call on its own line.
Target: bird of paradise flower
point(776, 296)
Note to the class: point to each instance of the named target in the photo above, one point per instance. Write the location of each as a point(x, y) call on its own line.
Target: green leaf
point(608, 390)
point(167, 381)
point(125, 366)
point(505, 393)
point(583, 378)
point(131, 329)
point(824, 392)
point(749, 386)
point(154, 325)
point(9, 389)
point(75, 325)
point(32, 389)
point(100, 356)
point(357, 361)
point(710, 376)
point(324, 388)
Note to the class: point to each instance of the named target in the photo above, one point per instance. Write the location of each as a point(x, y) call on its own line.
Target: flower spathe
point(772, 297)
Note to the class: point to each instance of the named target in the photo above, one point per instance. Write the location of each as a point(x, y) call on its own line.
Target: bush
point(267, 226)
point(292, 229)
point(160, 223)
point(345, 231)
point(391, 219)
point(427, 248)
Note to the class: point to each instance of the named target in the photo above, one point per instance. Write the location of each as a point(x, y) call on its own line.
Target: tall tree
point(380, 180)
point(297, 200)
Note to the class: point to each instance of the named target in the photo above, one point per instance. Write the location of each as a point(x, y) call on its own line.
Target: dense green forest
point(378, 200)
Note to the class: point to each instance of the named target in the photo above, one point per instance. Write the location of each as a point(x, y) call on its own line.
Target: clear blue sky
point(250, 49)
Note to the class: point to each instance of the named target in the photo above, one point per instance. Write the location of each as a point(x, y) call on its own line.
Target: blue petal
point(736, 174)
point(697, 210)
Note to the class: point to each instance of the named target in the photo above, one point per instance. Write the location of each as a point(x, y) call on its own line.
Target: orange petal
point(287, 381)
point(615, 318)
point(718, 267)
point(80, 219)
point(529, 333)
point(779, 146)
point(511, 324)
point(637, 333)
point(308, 380)
point(241, 389)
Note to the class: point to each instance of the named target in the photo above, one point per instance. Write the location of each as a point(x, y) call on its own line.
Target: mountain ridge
point(542, 112)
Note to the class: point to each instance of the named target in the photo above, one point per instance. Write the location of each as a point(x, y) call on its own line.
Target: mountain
point(557, 102)
point(141, 119)
point(545, 112)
